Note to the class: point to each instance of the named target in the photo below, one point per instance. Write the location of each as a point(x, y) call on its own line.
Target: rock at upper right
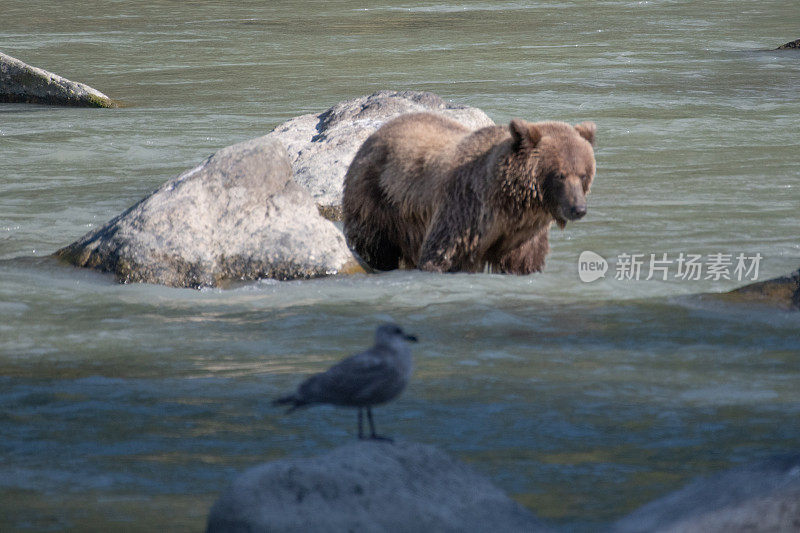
point(790, 46)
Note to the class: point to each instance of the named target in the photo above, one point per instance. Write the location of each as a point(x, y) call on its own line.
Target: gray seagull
point(372, 377)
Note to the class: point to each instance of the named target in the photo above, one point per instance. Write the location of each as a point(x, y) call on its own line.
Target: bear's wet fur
point(426, 192)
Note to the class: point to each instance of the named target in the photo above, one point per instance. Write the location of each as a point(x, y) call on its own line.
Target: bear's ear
point(524, 134)
point(587, 131)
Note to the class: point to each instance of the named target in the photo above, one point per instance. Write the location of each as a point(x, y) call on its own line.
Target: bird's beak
point(411, 338)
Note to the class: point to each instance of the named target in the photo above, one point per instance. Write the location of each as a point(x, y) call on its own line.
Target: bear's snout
point(571, 211)
point(577, 211)
point(571, 199)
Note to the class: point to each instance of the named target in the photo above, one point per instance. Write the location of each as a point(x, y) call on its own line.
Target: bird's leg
point(360, 424)
point(374, 436)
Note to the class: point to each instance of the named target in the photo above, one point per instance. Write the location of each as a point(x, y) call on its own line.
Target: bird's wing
point(361, 379)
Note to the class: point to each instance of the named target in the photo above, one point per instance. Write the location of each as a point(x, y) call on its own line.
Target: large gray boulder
point(782, 292)
point(761, 497)
point(20, 82)
point(236, 216)
point(322, 146)
point(368, 486)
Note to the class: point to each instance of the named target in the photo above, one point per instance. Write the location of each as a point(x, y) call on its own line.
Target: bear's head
point(560, 158)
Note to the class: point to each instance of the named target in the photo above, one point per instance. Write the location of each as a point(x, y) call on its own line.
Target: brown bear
point(425, 191)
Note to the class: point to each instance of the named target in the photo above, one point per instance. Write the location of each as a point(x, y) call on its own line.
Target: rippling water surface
point(133, 406)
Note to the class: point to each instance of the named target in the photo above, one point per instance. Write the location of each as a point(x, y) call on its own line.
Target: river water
point(130, 407)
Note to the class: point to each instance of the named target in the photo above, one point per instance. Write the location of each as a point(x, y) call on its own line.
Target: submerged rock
point(368, 486)
point(237, 216)
point(20, 82)
point(783, 292)
point(761, 497)
point(322, 146)
point(790, 46)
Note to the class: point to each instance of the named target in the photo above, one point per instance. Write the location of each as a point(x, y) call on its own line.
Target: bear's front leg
point(528, 257)
point(451, 244)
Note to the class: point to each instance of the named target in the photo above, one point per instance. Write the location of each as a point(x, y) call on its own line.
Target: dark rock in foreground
point(790, 46)
point(783, 292)
point(237, 216)
point(368, 486)
point(761, 497)
point(322, 146)
point(20, 82)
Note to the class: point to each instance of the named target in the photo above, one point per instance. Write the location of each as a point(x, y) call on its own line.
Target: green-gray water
point(131, 407)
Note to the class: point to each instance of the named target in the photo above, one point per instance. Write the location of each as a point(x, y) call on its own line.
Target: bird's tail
point(292, 401)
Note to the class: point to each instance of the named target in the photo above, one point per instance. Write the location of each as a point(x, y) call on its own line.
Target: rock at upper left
point(20, 82)
point(237, 216)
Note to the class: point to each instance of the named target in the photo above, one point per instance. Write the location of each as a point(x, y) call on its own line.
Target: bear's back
point(413, 128)
point(418, 151)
